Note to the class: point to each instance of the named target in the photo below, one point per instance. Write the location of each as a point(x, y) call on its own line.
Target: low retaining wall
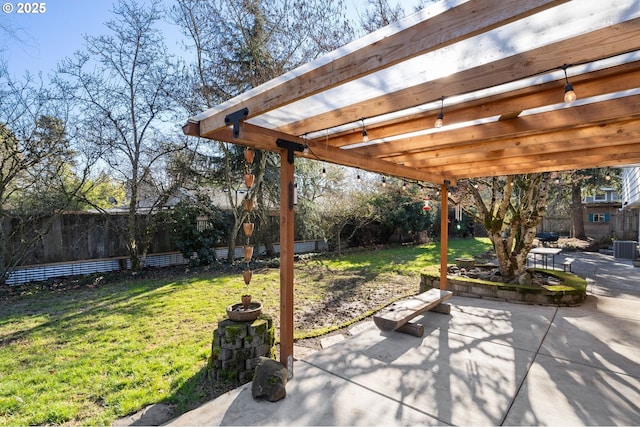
point(467, 287)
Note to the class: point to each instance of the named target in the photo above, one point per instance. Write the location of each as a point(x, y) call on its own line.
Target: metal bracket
point(234, 118)
point(290, 147)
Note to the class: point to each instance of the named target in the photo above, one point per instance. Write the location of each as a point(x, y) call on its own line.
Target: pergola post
point(444, 236)
point(286, 259)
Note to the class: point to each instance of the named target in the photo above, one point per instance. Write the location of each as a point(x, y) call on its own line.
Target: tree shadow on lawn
point(73, 310)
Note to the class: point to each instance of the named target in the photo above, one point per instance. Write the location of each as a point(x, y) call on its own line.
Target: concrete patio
point(487, 363)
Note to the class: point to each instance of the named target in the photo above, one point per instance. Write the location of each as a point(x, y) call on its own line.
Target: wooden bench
point(396, 316)
point(567, 264)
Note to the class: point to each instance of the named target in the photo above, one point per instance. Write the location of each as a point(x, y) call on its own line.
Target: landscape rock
point(269, 380)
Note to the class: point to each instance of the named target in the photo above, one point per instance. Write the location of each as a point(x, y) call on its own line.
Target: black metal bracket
point(290, 147)
point(234, 118)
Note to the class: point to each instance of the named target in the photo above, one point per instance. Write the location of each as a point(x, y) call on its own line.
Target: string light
point(440, 120)
point(569, 94)
point(365, 135)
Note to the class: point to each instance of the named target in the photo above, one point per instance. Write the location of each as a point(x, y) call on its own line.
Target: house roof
point(494, 68)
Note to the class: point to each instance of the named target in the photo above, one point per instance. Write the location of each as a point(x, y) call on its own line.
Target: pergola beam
point(570, 118)
point(585, 48)
point(615, 157)
point(609, 80)
point(584, 139)
point(381, 49)
point(265, 139)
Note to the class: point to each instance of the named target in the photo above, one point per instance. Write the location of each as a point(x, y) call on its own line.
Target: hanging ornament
point(247, 275)
point(249, 154)
point(248, 252)
point(427, 206)
point(248, 229)
point(248, 179)
point(248, 205)
point(248, 226)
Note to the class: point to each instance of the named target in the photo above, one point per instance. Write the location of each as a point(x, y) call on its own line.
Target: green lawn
point(95, 353)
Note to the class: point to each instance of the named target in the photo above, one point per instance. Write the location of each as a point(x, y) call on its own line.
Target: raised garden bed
point(565, 289)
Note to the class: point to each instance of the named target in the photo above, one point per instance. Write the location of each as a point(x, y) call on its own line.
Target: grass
point(95, 353)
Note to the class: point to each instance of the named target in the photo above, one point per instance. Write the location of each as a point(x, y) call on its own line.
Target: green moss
point(273, 380)
point(233, 332)
point(228, 375)
point(215, 352)
point(272, 335)
point(570, 282)
point(260, 326)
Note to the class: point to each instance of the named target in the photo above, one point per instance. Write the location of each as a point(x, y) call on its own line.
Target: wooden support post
point(444, 236)
point(286, 261)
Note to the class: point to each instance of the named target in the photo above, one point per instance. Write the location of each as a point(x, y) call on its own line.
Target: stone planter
point(466, 263)
point(238, 313)
point(571, 293)
point(636, 262)
point(237, 347)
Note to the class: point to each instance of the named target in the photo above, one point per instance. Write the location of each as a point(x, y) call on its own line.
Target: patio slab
point(487, 363)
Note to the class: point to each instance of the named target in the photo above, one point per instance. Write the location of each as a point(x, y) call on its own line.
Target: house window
point(599, 217)
point(600, 197)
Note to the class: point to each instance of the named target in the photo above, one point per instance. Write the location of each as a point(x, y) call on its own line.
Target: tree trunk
point(577, 219)
point(511, 215)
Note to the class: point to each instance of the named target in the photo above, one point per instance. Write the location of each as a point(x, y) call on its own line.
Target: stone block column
point(237, 347)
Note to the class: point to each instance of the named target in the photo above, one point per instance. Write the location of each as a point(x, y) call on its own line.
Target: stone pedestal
point(237, 347)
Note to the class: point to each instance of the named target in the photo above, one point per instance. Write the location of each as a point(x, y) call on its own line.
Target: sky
point(47, 38)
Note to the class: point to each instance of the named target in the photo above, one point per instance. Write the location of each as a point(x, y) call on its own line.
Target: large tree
point(238, 45)
point(122, 88)
point(576, 183)
point(510, 208)
point(39, 175)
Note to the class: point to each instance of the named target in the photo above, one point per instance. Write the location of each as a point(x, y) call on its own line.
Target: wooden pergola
point(495, 70)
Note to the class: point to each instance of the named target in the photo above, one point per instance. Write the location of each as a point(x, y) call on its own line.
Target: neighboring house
point(631, 195)
point(605, 218)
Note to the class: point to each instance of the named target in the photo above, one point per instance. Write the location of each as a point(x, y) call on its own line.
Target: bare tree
point(37, 167)
point(510, 208)
point(380, 13)
point(123, 90)
point(239, 44)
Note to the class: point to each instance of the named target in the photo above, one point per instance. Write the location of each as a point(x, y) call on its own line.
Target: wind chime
point(248, 226)
point(458, 212)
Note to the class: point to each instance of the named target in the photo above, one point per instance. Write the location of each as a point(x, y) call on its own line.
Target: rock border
point(572, 293)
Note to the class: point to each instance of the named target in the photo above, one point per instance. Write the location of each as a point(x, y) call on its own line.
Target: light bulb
point(365, 136)
point(439, 120)
point(569, 94)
